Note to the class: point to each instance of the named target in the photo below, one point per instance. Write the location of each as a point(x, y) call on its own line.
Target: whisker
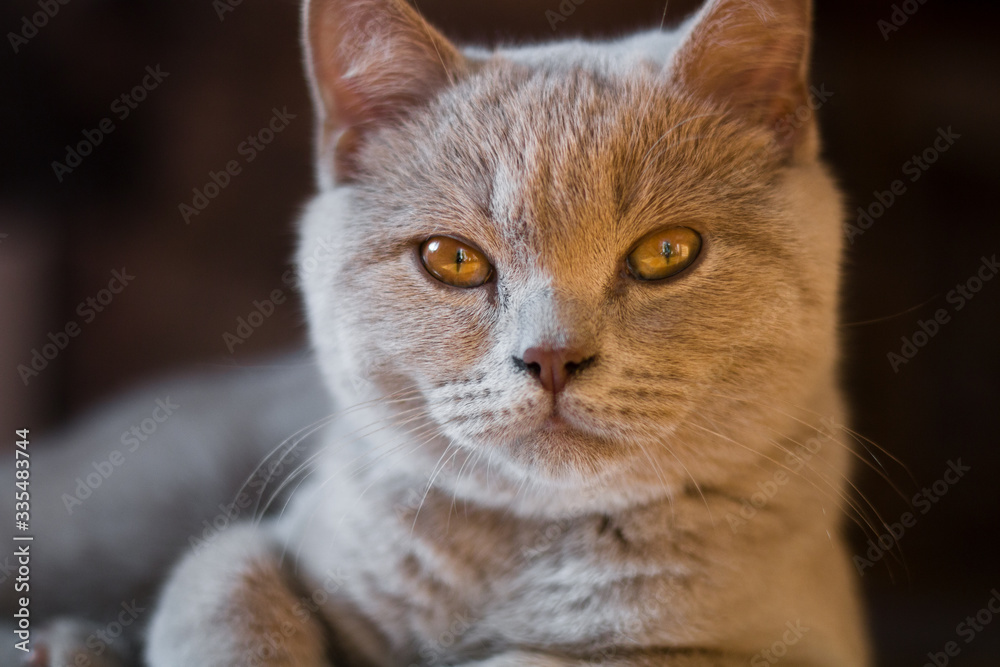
point(859, 510)
point(348, 439)
point(438, 468)
point(697, 486)
point(883, 473)
point(844, 427)
point(859, 513)
point(768, 458)
point(310, 429)
point(393, 447)
point(352, 437)
point(303, 432)
point(659, 474)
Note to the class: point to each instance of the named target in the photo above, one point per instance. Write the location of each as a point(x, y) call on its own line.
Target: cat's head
point(579, 259)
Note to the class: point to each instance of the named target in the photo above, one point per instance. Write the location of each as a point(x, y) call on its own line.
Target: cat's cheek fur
point(344, 368)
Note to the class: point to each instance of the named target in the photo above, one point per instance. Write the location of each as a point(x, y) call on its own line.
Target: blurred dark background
point(62, 235)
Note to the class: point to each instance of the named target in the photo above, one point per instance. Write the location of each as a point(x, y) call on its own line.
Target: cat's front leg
point(230, 604)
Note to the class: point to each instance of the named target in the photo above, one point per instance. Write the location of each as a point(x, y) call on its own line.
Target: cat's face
point(551, 169)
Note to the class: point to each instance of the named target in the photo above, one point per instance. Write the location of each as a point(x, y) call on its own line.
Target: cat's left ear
point(370, 62)
point(752, 57)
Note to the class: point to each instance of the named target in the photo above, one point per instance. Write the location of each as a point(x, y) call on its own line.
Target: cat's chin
point(557, 471)
point(559, 444)
point(562, 453)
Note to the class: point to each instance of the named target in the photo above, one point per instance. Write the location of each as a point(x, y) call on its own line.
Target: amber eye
point(454, 262)
point(664, 253)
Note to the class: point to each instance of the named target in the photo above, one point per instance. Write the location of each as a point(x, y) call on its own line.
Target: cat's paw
point(230, 605)
point(63, 643)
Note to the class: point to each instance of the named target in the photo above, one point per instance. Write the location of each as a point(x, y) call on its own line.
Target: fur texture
point(458, 512)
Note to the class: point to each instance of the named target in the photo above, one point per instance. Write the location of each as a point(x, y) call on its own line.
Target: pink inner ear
point(749, 56)
point(372, 60)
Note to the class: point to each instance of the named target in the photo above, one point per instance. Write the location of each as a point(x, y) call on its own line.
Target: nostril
point(573, 367)
point(533, 367)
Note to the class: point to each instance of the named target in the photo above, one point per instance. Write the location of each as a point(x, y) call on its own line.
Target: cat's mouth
point(569, 413)
point(541, 430)
point(557, 418)
point(562, 421)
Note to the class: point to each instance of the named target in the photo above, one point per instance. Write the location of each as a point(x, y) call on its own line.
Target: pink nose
point(554, 367)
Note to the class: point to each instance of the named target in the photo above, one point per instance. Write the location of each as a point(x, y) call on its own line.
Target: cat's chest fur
point(448, 581)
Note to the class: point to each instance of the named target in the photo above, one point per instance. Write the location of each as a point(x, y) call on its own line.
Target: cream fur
point(459, 529)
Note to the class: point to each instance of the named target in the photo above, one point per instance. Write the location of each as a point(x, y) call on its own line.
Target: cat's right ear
point(752, 56)
point(369, 61)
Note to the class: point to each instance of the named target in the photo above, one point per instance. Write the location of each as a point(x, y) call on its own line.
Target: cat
point(580, 338)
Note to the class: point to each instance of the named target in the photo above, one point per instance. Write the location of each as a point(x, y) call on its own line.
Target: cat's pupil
point(666, 250)
point(459, 259)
